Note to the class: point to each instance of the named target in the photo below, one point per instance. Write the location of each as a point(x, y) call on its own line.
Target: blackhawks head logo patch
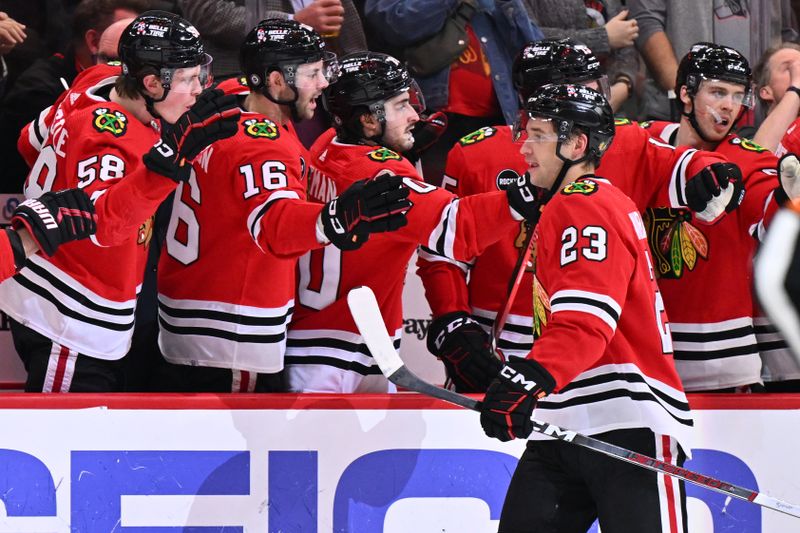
point(384, 154)
point(110, 121)
point(477, 136)
point(675, 243)
point(261, 129)
point(581, 186)
point(622, 121)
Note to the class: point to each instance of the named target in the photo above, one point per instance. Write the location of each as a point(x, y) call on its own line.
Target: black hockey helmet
point(366, 81)
point(162, 42)
point(708, 61)
point(555, 61)
point(283, 45)
point(571, 107)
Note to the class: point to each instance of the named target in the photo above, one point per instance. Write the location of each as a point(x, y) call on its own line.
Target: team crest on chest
point(261, 129)
point(110, 121)
point(384, 154)
point(477, 136)
point(675, 243)
point(622, 121)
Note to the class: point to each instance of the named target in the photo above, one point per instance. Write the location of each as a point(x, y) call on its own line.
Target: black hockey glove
point(715, 190)
point(56, 218)
point(367, 206)
point(464, 348)
point(788, 179)
point(426, 132)
point(525, 198)
point(213, 116)
point(508, 405)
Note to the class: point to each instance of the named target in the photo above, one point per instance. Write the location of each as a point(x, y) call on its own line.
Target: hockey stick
point(519, 271)
point(367, 316)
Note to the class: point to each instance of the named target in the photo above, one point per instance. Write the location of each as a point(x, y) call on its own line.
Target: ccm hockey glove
point(463, 346)
point(525, 198)
point(56, 218)
point(367, 206)
point(788, 179)
point(715, 190)
point(508, 405)
point(426, 132)
point(213, 116)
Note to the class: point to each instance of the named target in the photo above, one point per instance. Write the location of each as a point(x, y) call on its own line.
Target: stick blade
point(367, 316)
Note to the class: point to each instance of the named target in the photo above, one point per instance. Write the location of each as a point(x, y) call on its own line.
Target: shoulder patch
point(747, 144)
point(583, 186)
point(622, 121)
point(110, 121)
point(646, 124)
point(384, 154)
point(477, 136)
point(261, 128)
point(505, 178)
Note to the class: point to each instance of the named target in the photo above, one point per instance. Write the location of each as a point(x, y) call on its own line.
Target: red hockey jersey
point(34, 134)
point(84, 296)
point(790, 143)
point(705, 274)
point(604, 335)
point(648, 171)
point(322, 331)
point(226, 280)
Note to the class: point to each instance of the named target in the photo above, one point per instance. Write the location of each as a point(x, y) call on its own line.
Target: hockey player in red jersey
point(649, 172)
point(375, 104)
point(243, 220)
point(44, 224)
point(716, 338)
point(602, 364)
point(72, 313)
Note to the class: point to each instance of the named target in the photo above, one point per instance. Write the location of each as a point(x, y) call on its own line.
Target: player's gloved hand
point(525, 199)
point(56, 217)
point(464, 348)
point(715, 190)
point(426, 132)
point(213, 116)
point(788, 179)
point(367, 206)
point(508, 405)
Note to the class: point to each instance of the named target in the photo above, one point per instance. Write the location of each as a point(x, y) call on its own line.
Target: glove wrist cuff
point(440, 326)
point(530, 376)
point(17, 248)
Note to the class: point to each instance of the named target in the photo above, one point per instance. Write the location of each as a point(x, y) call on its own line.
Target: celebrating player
point(602, 364)
point(72, 313)
point(243, 219)
point(649, 172)
point(376, 104)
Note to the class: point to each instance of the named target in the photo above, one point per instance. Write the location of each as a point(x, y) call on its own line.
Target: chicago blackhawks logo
point(541, 308)
point(747, 144)
point(584, 186)
point(646, 124)
point(261, 128)
point(384, 154)
point(477, 136)
point(622, 121)
point(113, 122)
point(675, 243)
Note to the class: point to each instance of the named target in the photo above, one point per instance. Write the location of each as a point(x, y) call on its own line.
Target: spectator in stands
point(12, 33)
point(40, 85)
point(777, 76)
point(604, 27)
point(476, 89)
point(107, 46)
point(225, 23)
point(668, 28)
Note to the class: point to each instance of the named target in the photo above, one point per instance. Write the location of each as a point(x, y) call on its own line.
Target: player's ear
point(152, 84)
point(685, 98)
point(370, 124)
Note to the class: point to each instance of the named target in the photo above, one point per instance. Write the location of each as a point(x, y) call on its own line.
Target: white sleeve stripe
point(254, 218)
point(433, 257)
point(677, 189)
point(601, 299)
point(588, 308)
point(95, 195)
point(443, 235)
